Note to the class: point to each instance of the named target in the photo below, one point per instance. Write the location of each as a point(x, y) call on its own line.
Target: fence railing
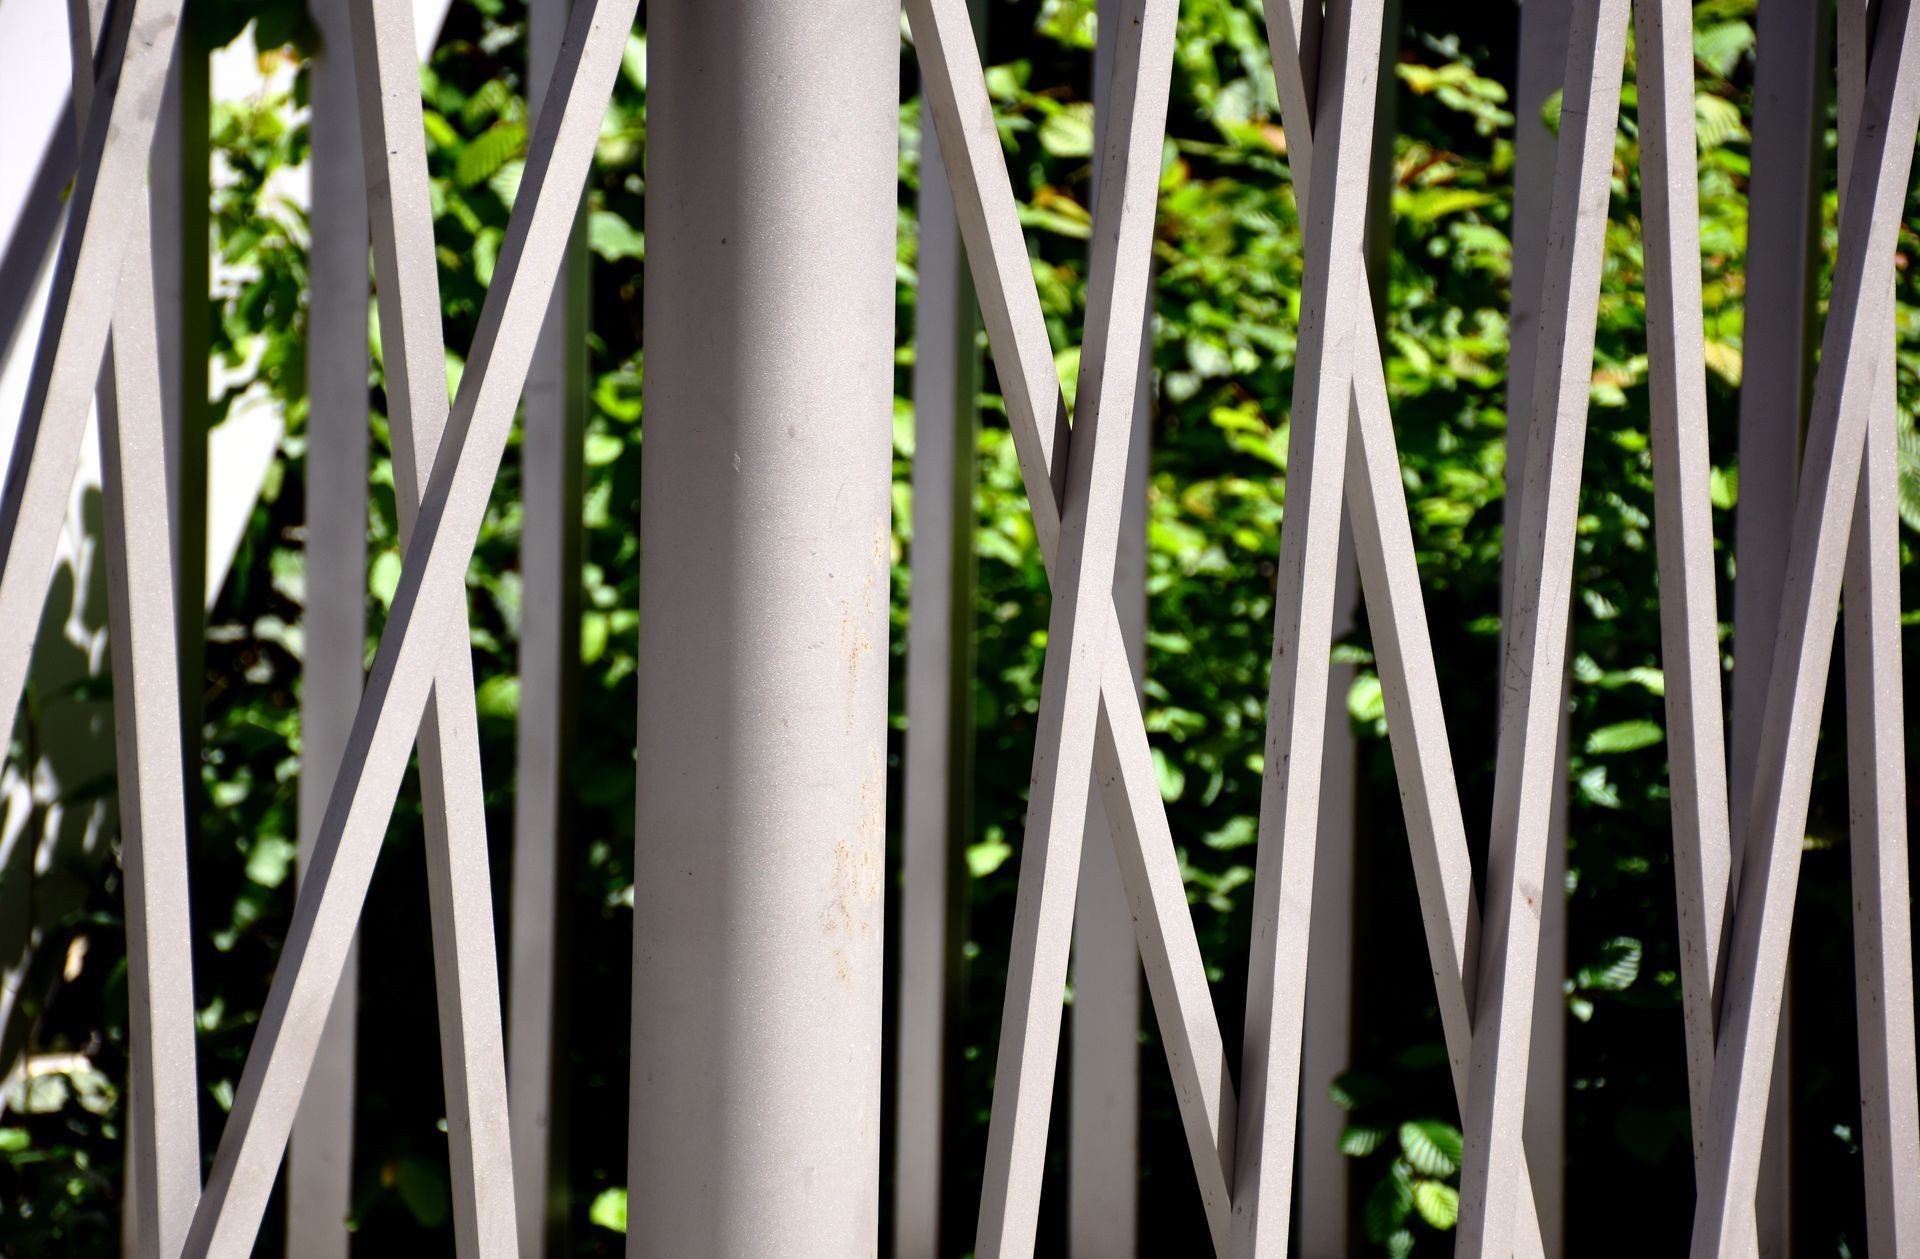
point(729, 1153)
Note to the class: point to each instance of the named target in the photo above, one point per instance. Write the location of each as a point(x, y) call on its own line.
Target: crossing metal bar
point(1536, 640)
point(551, 454)
point(1130, 793)
point(1683, 520)
point(164, 1134)
point(1330, 314)
point(1542, 63)
point(1876, 746)
point(1791, 79)
point(1852, 345)
point(398, 687)
point(1396, 610)
point(1103, 1071)
point(460, 891)
point(320, 1152)
point(135, 50)
point(1064, 730)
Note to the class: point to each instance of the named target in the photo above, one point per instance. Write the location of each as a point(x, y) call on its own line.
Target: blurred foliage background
point(1228, 255)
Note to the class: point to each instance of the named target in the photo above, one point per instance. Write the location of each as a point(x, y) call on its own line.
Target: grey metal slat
point(1332, 307)
point(1876, 759)
point(1755, 982)
point(398, 687)
point(1536, 640)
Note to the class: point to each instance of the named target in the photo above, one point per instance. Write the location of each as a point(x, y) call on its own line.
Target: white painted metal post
point(937, 777)
point(759, 888)
point(554, 420)
point(320, 1152)
point(1103, 1081)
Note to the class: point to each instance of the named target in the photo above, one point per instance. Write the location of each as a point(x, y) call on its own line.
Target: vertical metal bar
point(554, 422)
point(1533, 712)
point(937, 775)
point(1852, 345)
point(1390, 579)
point(164, 1124)
point(1327, 1030)
point(761, 822)
point(320, 1154)
point(182, 195)
point(460, 892)
point(1010, 309)
point(1544, 29)
point(1103, 1079)
point(1332, 301)
point(1789, 101)
point(1066, 728)
point(1876, 741)
point(432, 582)
point(1689, 622)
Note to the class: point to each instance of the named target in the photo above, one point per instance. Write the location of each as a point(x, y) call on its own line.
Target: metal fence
point(757, 1012)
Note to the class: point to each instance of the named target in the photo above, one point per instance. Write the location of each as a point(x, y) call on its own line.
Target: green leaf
point(423, 1188)
point(1721, 45)
point(498, 698)
point(613, 238)
point(1909, 475)
point(1068, 132)
point(1389, 1204)
point(1625, 736)
point(1618, 967)
point(1360, 1140)
point(270, 859)
point(987, 856)
point(1438, 1204)
point(609, 1210)
point(1431, 1146)
point(1173, 779)
point(1237, 833)
point(489, 151)
point(1366, 702)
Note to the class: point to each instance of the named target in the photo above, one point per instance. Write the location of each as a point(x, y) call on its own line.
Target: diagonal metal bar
point(1689, 622)
point(135, 51)
point(1853, 346)
point(1303, 630)
point(1123, 763)
point(431, 581)
point(1390, 578)
point(400, 218)
point(1537, 640)
point(1876, 743)
point(164, 1136)
point(1076, 635)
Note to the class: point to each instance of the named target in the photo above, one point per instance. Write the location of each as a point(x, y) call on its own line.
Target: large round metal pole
point(763, 626)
